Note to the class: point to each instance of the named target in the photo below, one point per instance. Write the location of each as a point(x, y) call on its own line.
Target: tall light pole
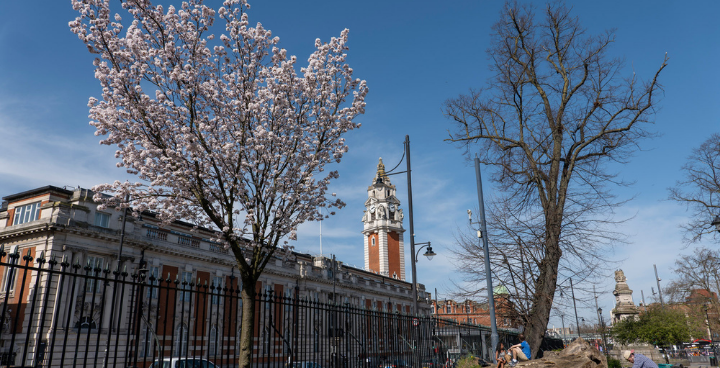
point(658, 284)
point(577, 322)
point(413, 256)
point(602, 329)
point(482, 235)
point(412, 230)
point(643, 299)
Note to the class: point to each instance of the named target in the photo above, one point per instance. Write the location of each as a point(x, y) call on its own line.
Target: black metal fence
point(57, 314)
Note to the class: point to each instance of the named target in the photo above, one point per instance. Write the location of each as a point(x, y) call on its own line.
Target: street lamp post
point(602, 330)
point(658, 284)
point(577, 322)
point(429, 253)
point(482, 235)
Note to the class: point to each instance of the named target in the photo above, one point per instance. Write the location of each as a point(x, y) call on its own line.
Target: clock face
point(393, 207)
point(372, 209)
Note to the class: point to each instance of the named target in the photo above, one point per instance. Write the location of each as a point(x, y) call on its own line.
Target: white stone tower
point(382, 228)
point(624, 306)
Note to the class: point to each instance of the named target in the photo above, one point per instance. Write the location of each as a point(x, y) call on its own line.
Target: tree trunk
point(544, 291)
point(247, 323)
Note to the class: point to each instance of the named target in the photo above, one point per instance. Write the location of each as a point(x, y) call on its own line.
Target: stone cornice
point(34, 227)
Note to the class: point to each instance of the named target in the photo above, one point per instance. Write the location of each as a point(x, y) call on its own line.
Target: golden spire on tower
point(381, 173)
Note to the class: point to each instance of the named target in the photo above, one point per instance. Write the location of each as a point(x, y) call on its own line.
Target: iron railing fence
point(58, 314)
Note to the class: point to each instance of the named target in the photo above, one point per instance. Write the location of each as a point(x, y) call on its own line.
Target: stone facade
point(66, 223)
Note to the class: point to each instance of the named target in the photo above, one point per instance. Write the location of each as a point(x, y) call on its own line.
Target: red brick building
point(468, 311)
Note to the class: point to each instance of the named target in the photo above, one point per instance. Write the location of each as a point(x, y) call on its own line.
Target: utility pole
point(483, 236)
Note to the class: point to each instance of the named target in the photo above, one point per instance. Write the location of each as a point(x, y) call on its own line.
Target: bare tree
point(516, 255)
point(554, 113)
point(700, 191)
point(698, 285)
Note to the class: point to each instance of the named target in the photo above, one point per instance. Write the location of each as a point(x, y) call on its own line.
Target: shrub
point(468, 361)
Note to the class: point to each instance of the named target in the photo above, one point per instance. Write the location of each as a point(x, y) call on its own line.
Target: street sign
point(415, 322)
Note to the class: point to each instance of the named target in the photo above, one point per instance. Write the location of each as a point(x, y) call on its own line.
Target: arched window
point(181, 334)
point(146, 340)
point(212, 351)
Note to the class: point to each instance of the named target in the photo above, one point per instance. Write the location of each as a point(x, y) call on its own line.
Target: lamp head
point(716, 223)
point(469, 215)
point(429, 252)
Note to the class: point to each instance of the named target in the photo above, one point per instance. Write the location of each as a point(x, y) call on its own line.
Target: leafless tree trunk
point(700, 191)
point(553, 115)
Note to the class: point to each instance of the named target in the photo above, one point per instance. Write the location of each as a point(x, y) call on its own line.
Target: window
point(217, 284)
point(185, 285)
point(86, 322)
point(152, 284)
point(146, 340)
point(266, 297)
point(91, 285)
point(373, 241)
point(102, 219)
point(26, 213)
point(181, 339)
point(213, 341)
point(8, 284)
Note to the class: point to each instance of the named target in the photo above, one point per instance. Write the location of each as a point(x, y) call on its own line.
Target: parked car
point(303, 365)
point(397, 363)
point(183, 363)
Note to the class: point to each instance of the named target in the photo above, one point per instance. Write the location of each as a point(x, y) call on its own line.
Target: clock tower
point(382, 228)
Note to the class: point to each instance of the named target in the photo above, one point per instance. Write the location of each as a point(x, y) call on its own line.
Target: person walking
point(638, 360)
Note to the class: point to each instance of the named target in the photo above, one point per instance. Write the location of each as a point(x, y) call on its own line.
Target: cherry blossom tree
point(224, 131)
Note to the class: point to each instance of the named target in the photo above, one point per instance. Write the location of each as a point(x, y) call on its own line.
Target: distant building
point(471, 312)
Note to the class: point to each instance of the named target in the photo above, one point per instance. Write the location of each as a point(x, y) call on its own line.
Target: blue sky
point(414, 55)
